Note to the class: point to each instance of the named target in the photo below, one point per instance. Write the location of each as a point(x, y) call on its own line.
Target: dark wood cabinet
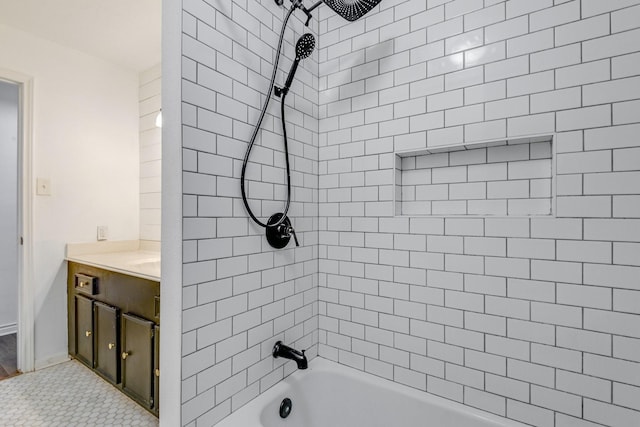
point(114, 329)
point(156, 370)
point(106, 342)
point(137, 359)
point(83, 333)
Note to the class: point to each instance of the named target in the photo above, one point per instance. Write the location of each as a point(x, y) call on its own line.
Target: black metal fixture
point(279, 228)
point(284, 351)
point(350, 10)
point(304, 48)
point(279, 235)
point(285, 407)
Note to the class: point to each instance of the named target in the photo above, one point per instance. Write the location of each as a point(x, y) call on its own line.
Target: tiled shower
point(466, 191)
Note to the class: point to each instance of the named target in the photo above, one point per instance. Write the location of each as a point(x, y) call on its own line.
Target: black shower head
point(352, 9)
point(305, 46)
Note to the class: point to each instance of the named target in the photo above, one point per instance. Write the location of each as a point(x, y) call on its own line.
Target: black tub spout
point(281, 350)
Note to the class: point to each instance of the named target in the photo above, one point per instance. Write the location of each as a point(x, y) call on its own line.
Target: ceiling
point(126, 32)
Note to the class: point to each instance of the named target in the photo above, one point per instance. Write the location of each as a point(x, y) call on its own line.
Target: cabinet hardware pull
point(124, 355)
point(157, 372)
point(87, 333)
point(82, 284)
point(111, 346)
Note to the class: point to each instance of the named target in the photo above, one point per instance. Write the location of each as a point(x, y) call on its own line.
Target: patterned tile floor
point(67, 395)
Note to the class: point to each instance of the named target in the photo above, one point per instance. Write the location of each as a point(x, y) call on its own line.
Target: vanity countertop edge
point(130, 257)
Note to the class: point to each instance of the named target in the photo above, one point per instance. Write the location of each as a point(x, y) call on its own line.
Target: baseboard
point(10, 328)
point(52, 360)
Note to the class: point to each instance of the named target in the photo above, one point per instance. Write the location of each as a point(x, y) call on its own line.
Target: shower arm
point(298, 4)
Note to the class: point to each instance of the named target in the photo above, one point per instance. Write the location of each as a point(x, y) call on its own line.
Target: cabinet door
point(106, 348)
point(84, 330)
point(137, 359)
point(156, 371)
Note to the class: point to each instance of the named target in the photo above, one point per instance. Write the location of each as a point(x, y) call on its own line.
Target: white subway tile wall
point(240, 295)
point(149, 95)
point(535, 319)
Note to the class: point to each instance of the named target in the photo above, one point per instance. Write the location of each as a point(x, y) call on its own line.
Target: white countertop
point(121, 257)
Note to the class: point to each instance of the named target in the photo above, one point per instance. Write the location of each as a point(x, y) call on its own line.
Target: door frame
point(26, 301)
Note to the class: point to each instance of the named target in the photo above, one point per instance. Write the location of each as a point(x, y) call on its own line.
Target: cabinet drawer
point(86, 284)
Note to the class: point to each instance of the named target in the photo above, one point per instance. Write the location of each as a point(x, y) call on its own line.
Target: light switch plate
point(103, 232)
point(43, 187)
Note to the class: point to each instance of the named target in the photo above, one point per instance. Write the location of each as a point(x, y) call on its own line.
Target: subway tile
point(556, 357)
point(556, 100)
point(615, 90)
point(556, 400)
point(626, 112)
point(610, 46)
point(484, 17)
point(612, 369)
point(584, 118)
point(531, 125)
point(604, 412)
point(626, 348)
point(583, 162)
point(584, 296)
point(530, 372)
point(484, 401)
point(530, 331)
point(584, 206)
point(504, 386)
point(590, 72)
point(508, 29)
point(594, 7)
point(554, 16)
point(556, 58)
point(511, 67)
point(611, 322)
point(611, 137)
point(584, 385)
point(529, 43)
point(461, 7)
point(484, 92)
point(584, 29)
point(625, 65)
point(582, 340)
point(510, 107)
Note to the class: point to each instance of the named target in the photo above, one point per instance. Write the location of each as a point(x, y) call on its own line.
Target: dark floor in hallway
point(8, 356)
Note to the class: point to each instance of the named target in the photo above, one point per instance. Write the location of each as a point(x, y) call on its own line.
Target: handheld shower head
point(304, 48)
point(352, 10)
point(305, 45)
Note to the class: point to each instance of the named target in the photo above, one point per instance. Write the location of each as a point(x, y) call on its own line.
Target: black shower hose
point(284, 134)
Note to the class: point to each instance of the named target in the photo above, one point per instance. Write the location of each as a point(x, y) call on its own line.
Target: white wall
point(86, 143)
point(150, 154)
point(536, 319)
point(240, 295)
point(8, 207)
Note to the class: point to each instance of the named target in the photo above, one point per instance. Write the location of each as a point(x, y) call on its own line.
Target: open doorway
point(9, 226)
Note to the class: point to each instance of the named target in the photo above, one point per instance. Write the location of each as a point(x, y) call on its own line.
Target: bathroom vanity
point(113, 301)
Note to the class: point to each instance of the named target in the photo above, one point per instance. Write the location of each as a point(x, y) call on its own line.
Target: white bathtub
point(332, 395)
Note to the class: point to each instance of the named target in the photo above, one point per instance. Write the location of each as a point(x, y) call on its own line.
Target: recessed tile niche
point(512, 177)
